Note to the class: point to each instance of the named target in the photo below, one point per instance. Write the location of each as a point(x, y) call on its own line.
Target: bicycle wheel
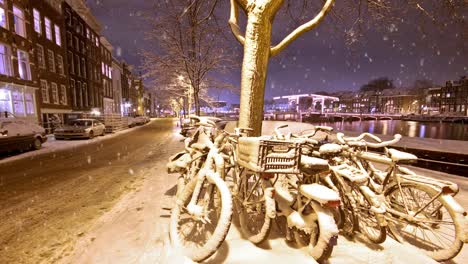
point(200, 235)
point(321, 236)
point(346, 219)
point(254, 210)
point(368, 222)
point(190, 173)
point(436, 230)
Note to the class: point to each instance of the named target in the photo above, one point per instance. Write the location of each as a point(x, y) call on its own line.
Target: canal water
point(454, 131)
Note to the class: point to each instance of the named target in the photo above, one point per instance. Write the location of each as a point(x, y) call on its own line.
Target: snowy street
point(109, 202)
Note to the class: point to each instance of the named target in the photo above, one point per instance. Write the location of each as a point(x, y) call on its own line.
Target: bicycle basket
point(269, 156)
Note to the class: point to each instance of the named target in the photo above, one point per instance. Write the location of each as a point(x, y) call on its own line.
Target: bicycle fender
point(270, 202)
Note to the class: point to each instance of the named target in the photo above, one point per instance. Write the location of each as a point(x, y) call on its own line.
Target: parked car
point(137, 120)
point(80, 128)
point(19, 134)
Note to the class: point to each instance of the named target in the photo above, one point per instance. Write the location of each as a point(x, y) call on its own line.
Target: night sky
point(317, 61)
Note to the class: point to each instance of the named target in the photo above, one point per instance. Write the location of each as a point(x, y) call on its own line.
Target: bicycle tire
point(442, 254)
point(254, 232)
point(367, 220)
point(222, 226)
point(321, 241)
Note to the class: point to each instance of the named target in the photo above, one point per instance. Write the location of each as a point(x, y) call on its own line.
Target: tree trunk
point(254, 71)
point(196, 100)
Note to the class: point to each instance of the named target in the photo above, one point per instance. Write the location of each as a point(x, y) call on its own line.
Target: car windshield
point(80, 123)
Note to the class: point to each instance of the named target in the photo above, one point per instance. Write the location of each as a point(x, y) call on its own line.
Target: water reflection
point(406, 128)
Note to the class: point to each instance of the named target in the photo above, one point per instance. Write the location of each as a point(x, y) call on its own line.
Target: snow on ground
point(53, 145)
point(136, 231)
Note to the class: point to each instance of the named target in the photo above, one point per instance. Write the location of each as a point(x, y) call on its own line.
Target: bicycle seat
point(330, 148)
point(397, 155)
point(319, 193)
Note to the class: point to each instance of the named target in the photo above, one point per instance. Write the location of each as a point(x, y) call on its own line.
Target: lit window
point(48, 28)
point(37, 21)
point(55, 97)
point(3, 18)
point(88, 33)
point(5, 59)
point(29, 101)
point(63, 98)
point(60, 67)
point(44, 91)
point(20, 26)
point(103, 68)
point(40, 56)
point(51, 59)
point(18, 104)
point(58, 37)
point(23, 65)
point(5, 102)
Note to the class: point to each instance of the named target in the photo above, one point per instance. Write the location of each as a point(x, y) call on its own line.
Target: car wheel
point(37, 143)
point(91, 134)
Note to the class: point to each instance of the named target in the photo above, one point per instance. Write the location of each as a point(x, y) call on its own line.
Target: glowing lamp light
point(96, 112)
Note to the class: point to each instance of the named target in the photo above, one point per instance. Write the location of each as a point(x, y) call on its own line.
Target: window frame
point(55, 93)
point(40, 51)
point(60, 65)
point(63, 95)
point(37, 21)
point(20, 29)
point(5, 14)
point(7, 59)
point(48, 29)
point(58, 35)
point(27, 64)
point(51, 60)
point(46, 90)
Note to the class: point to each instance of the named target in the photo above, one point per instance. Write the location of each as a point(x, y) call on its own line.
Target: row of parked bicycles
point(312, 187)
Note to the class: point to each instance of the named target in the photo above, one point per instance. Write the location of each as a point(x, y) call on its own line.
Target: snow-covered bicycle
point(420, 210)
point(201, 218)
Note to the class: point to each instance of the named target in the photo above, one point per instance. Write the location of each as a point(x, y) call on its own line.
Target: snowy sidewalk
point(136, 231)
point(53, 145)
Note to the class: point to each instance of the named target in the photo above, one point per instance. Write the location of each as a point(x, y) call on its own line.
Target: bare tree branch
point(303, 28)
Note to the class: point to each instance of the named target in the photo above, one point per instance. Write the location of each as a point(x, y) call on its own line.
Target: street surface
point(109, 202)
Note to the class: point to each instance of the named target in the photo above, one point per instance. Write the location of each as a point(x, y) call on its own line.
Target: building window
point(55, 97)
point(29, 101)
point(5, 59)
point(97, 42)
point(44, 91)
point(18, 103)
point(77, 44)
point(79, 94)
point(77, 65)
point(60, 68)
point(83, 67)
point(20, 26)
point(83, 48)
point(5, 102)
point(3, 16)
point(63, 98)
point(40, 56)
point(85, 94)
point(88, 33)
point(71, 65)
point(58, 37)
point(37, 21)
point(48, 28)
point(68, 17)
point(69, 39)
point(72, 89)
point(51, 59)
point(103, 68)
point(23, 65)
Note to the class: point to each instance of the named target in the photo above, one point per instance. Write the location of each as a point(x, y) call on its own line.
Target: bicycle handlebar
point(358, 141)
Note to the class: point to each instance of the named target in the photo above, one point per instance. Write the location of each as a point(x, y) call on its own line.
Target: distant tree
point(187, 48)
point(378, 84)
